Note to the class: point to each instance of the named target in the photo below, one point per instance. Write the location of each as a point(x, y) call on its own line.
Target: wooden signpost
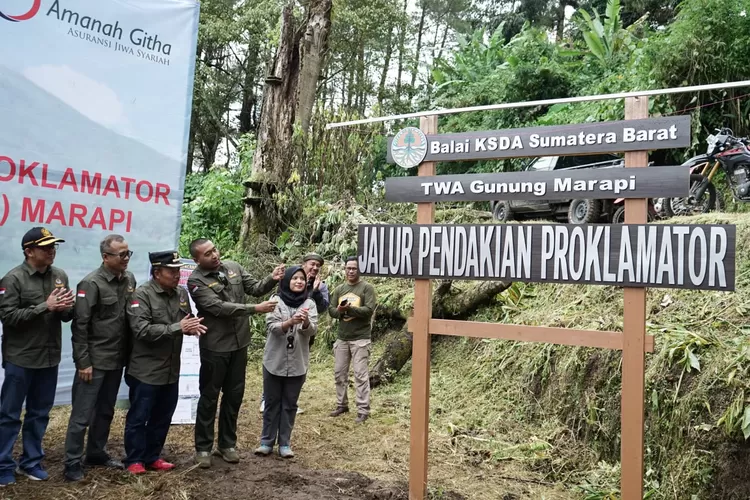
point(703, 256)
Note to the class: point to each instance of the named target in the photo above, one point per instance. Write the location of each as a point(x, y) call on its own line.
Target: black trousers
point(221, 372)
point(93, 408)
point(148, 420)
point(281, 396)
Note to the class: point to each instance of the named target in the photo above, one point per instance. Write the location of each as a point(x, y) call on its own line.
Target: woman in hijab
point(285, 360)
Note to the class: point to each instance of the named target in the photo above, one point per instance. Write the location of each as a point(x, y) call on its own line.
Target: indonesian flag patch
point(81, 294)
point(135, 304)
point(193, 288)
point(2, 291)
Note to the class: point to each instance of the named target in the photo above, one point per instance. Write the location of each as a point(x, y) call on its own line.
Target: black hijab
point(290, 298)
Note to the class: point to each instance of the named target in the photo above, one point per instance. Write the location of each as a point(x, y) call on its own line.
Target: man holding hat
point(316, 288)
point(34, 301)
point(159, 316)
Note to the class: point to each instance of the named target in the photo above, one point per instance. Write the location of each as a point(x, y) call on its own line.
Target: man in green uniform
point(353, 303)
point(100, 348)
point(218, 289)
point(34, 301)
point(159, 316)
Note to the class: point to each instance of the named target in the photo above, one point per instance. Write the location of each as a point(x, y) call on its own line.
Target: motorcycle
point(725, 152)
point(618, 216)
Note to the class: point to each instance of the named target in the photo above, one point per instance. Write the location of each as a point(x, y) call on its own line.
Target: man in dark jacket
point(218, 289)
point(159, 316)
point(34, 301)
point(100, 346)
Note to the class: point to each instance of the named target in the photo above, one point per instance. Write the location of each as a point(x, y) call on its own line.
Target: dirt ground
point(336, 459)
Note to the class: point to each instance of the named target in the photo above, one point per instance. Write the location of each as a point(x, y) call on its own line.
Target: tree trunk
point(361, 85)
point(313, 47)
point(442, 44)
point(444, 306)
point(191, 146)
point(249, 98)
point(401, 50)
point(287, 100)
point(384, 73)
point(415, 70)
point(560, 21)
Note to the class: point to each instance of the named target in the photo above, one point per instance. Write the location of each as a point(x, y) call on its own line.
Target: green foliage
point(212, 209)
point(707, 43)
point(606, 38)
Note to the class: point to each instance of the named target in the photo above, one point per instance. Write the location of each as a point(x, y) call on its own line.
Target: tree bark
point(386, 67)
point(312, 49)
point(361, 85)
point(420, 29)
point(445, 305)
point(288, 100)
point(560, 21)
point(401, 50)
point(249, 98)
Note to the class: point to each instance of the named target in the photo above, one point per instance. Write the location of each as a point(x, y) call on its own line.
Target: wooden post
point(634, 335)
point(420, 371)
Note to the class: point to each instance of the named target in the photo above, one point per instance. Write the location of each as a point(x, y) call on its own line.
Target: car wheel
point(584, 211)
point(502, 211)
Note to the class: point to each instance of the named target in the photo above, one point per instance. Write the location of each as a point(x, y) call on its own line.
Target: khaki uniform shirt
point(219, 297)
point(32, 335)
point(154, 315)
point(100, 326)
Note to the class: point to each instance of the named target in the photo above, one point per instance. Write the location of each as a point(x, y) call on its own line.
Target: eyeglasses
point(123, 255)
point(48, 248)
point(222, 278)
point(290, 342)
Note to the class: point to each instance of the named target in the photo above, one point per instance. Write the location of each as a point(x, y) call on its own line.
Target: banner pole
point(420, 372)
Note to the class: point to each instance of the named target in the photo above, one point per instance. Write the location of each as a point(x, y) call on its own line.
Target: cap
point(39, 237)
point(169, 258)
point(313, 256)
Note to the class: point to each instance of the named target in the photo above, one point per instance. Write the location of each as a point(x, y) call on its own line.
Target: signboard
point(95, 99)
point(410, 146)
point(697, 256)
point(597, 183)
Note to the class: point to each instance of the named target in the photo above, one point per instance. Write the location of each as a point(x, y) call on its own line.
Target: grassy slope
point(556, 408)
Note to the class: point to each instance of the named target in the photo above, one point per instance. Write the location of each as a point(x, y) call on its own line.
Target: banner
point(190, 362)
point(95, 100)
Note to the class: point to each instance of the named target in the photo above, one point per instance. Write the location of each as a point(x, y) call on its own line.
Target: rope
point(709, 104)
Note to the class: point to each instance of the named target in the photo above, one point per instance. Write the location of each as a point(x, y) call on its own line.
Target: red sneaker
point(136, 468)
point(161, 465)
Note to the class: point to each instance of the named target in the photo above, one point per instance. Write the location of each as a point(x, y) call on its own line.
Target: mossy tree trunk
point(446, 304)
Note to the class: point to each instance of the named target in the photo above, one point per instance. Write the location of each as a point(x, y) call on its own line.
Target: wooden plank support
point(634, 333)
point(525, 333)
point(420, 372)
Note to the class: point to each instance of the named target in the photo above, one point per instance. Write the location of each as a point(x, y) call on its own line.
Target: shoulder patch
point(81, 293)
point(135, 304)
point(2, 291)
